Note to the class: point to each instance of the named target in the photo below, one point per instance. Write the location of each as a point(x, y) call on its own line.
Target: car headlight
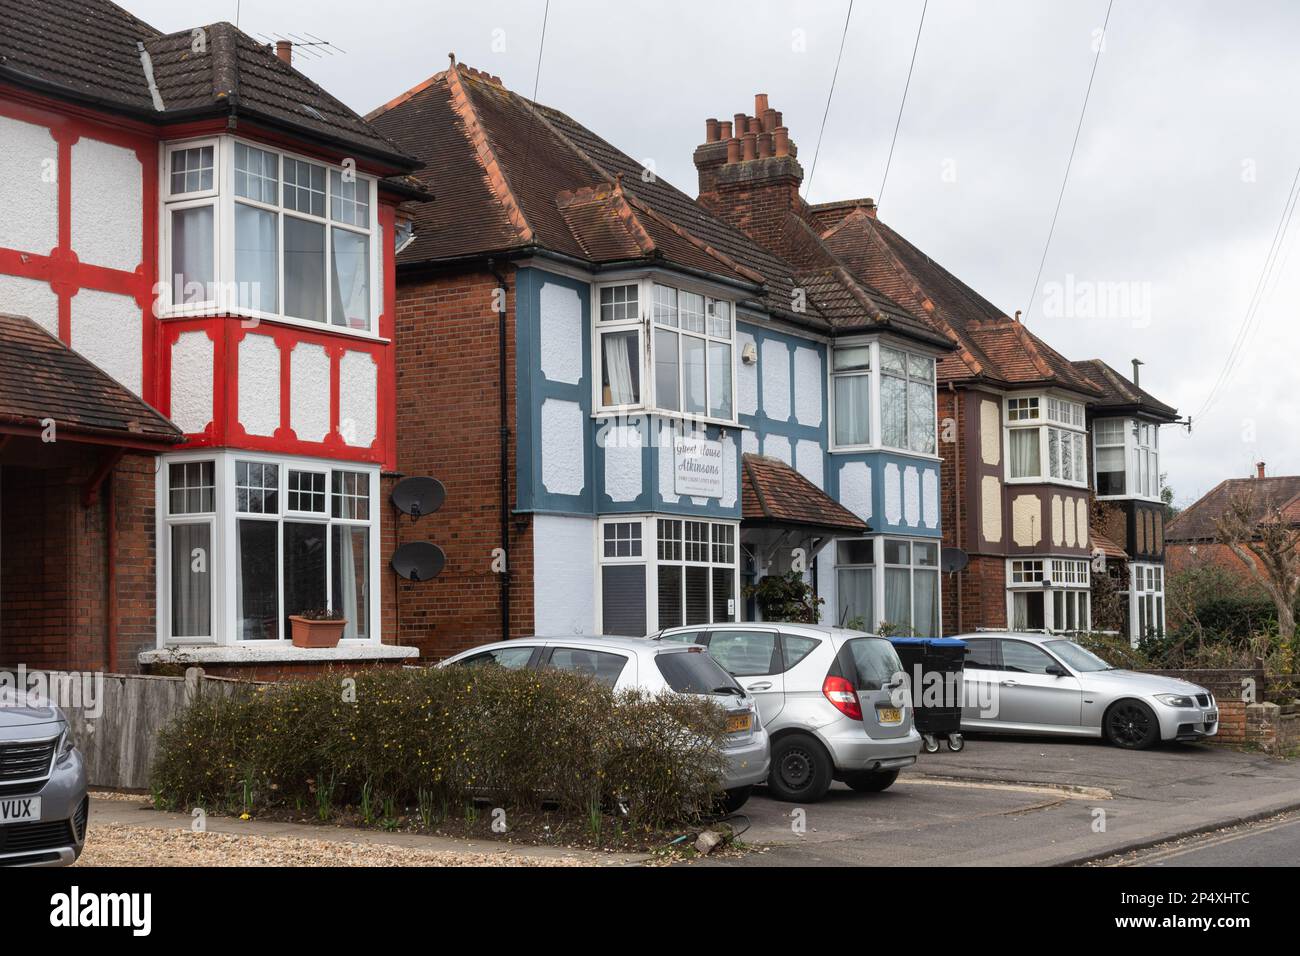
point(1175, 700)
point(66, 744)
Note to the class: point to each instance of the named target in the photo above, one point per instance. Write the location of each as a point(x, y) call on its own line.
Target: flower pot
point(309, 633)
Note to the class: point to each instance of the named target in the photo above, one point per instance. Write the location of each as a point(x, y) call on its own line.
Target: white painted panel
point(29, 189)
point(930, 497)
point(991, 508)
point(309, 392)
point(623, 462)
point(893, 479)
point(107, 191)
point(912, 496)
point(807, 386)
point(777, 446)
point(107, 329)
point(191, 400)
point(1058, 531)
point(560, 333)
point(776, 380)
point(1081, 521)
point(564, 575)
point(664, 453)
point(259, 385)
point(855, 488)
point(1026, 521)
point(358, 399)
point(808, 461)
point(749, 443)
point(990, 433)
point(730, 474)
point(746, 378)
point(29, 297)
point(563, 461)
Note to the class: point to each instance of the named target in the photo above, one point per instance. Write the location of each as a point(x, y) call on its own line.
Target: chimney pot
point(781, 141)
point(1137, 363)
point(284, 50)
point(711, 130)
point(769, 120)
point(779, 120)
point(764, 145)
point(742, 124)
point(760, 104)
point(1259, 469)
point(754, 125)
point(733, 149)
point(750, 146)
point(724, 129)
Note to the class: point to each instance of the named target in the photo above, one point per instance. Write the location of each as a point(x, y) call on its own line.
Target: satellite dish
point(418, 496)
point(418, 560)
point(953, 559)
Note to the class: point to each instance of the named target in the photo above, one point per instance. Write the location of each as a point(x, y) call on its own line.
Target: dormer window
point(268, 234)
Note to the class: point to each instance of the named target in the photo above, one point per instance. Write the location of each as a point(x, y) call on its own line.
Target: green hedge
point(436, 739)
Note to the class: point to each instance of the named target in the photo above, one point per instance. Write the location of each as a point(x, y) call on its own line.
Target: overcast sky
point(1187, 153)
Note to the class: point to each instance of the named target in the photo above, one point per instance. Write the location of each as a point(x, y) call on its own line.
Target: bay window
point(1046, 440)
point(1049, 594)
point(851, 374)
point(855, 584)
point(267, 233)
point(912, 586)
point(659, 571)
point(691, 350)
point(899, 400)
point(907, 409)
point(1146, 601)
point(1108, 453)
point(288, 535)
point(1127, 456)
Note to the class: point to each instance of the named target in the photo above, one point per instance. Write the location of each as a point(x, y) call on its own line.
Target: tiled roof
point(1196, 522)
point(90, 51)
point(42, 378)
point(1118, 392)
point(511, 176)
point(989, 344)
point(774, 493)
point(1107, 546)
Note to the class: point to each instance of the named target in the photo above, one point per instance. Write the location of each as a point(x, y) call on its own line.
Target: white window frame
point(646, 327)
point(169, 520)
point(222, 561)
point(223, 199)
point(1141, 450)
point(1146, 598)
point(875, 372)
point(879, 568)
point(1125, 425)
point(1070, 426)
point(1050, 576)
point(649, 559)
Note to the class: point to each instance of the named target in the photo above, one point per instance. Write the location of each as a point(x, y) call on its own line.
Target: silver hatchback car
point(43, 801)
point(1047, 684)
point(634, 662)
point(826, 696)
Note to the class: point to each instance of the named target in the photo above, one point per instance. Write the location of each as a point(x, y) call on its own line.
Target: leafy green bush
point(786, 597)
point(436, 739)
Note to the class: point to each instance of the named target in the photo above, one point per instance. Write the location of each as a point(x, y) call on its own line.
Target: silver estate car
point(43, 800)
point(1047, 684)
point(825, 695)
point(634, 662)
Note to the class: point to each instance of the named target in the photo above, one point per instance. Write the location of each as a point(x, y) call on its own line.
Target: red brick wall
point(54, 599)
point(447, 426)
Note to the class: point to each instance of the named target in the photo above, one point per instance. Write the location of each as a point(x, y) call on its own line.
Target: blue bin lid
point(933, 641)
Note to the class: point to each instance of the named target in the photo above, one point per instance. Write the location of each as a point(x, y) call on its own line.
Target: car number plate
point(889, 715)
point(739, 723)
point(17, 811)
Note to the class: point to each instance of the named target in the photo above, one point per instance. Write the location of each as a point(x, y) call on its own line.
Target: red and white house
point(213, 233)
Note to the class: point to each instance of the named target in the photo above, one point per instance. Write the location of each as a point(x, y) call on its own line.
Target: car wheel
point(1132, 725)
point(732, 800)
point(801, 770)
point(871, 781)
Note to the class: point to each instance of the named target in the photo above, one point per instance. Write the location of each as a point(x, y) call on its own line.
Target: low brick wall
point(1269, 726)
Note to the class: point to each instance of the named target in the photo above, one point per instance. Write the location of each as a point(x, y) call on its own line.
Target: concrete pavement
point(1025, 802)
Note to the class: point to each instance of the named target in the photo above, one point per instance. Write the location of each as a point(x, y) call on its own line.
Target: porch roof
point(774, 494)
point(1107, 546)
point(42, 379)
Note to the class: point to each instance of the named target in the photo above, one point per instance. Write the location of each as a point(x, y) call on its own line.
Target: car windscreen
point(1079, 658)
point(692, 672)
point(875, 661)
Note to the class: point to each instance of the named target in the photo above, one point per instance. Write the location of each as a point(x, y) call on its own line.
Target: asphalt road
point(1271, 842)
point(1026, 802)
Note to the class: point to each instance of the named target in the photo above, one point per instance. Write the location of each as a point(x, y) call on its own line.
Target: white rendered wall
point(107, 330)
point(29, 297)
point(191, 385)
point(358, 399)
point(259, 385)
point(107, 211)
point(309, 392)
point(29, 189)
point(564, 575)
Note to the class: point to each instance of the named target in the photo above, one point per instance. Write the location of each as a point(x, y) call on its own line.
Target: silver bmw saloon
point(1047, 684)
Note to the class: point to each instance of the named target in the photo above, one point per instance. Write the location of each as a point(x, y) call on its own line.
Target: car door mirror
point(1056, 670)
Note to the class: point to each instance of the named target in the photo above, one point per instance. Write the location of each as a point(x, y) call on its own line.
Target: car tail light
point(841, 693)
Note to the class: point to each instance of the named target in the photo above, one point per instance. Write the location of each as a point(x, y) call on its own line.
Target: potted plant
point(317, 627)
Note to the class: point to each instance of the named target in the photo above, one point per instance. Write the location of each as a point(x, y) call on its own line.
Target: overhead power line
point(844, 36)
point(898, 122)
point(1101, 43)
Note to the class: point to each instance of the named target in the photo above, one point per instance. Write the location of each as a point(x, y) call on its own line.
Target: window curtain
point(351, 572)
point(898, 597)
point(1024, 453)
point(191, 589)
point(852, 409)
point(927, 603)
point(619, 348)
point(693, 374)
point(856, 597)
point(304, 269)
point(193, 262)
point(255, 258)
point(893, 411)
point(350, 279)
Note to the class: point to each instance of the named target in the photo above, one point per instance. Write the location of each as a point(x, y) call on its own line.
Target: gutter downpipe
point(504, 435)
point(956, 493)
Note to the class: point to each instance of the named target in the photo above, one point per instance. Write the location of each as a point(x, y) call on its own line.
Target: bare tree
point(1269, 546)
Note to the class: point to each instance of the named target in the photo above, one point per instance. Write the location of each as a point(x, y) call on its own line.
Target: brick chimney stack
point(284, 50)
point(749, 171)
point(1259, 469)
